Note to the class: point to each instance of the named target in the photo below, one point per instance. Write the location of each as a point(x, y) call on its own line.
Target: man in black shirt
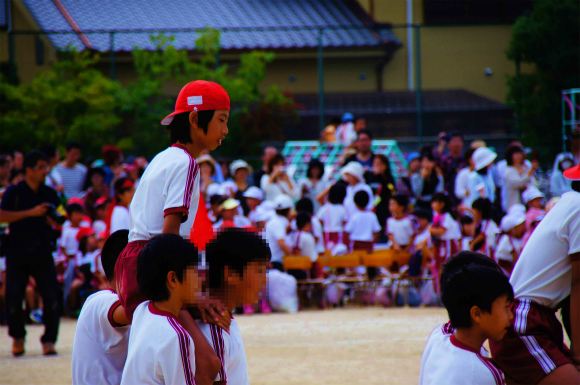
point(24, 206)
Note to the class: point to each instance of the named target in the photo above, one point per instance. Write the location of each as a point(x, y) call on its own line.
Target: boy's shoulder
point(171, 156)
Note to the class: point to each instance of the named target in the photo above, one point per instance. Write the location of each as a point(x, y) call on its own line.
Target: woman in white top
point(462, 180)
point(277, 181)
point(353, 174)
point(516, 178)
point(481, 184)
point(314, 183)
point(558, 184)
point(118, 212)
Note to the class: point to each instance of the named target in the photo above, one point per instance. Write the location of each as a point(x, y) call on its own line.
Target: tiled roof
point(131, 15)
point(397, 103)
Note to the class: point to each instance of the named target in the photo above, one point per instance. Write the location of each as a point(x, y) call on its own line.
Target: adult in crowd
point(207, 170)
point(363, 155)
point(53, 178)
point(267, 154)
point(426, 182)
point(381, 181)
point(516, 177)
point(481, 183)
point(345, 132)
point(72, 172)
point(95, 188)
point(17, 161)
point(502, 164)
point(25, 206)
point(277, 181)
point(113, 157)
point(404, 186)
point(439, 151)
point(558, 184)
point(452, 162)
point(240, 170)
point(314, 183)
point(461, 187)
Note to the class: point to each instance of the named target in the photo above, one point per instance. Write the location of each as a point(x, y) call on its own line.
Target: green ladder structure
point(299, 153)
point(570, 117)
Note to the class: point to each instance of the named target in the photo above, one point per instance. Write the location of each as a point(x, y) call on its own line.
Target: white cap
point(236, 164)
point(213, 189)
point(254, 192)
point(531, 193)
point(227, 187)
point(510, 221)
point(517, 208)
point(483, 157)
point(282, 202)
point(355, 169)
point(268, 205)
point(339, 249)
point(263, 214)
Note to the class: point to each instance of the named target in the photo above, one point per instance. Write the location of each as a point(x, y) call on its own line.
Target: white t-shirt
point(464, 243)
point(230, 350)
point(317, 233)
point(306, 243)
point(272, 190)
point(543, 273)
point(68, 240)
point(53, 179)
point(99, 226)
point(333, 217)
point(276, 229)
point(169, 185)
point(349, 198)
point(120, 219)
point(160, 349)
point(100, 346)
point(447, 361)
point(490, 229)
point(422, 236)
point(452, 227)
point(504, 249)
point(362, 226)
point(462, 185)
point(401, 229)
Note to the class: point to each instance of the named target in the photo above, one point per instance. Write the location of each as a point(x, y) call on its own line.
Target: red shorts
point(362, 245)
point(126, 277)
point(533, 346)
point(332, 237)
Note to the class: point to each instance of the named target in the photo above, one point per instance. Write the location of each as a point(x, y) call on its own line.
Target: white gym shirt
point(402, 229)
point(362, 226)
point(543, 273)
point(100, 347)
point(333, 217)
point(447, 361)
point(160, 349)
point(169, 185)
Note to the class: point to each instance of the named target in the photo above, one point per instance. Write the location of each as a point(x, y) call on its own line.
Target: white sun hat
point(282, 202)
point(483, 157)
point(510, 221)
point(254, 192)
point(237, 164)
point(531, 193)
point(355, 169)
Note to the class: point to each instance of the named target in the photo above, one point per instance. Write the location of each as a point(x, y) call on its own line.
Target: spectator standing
point(558, 184)
point(502, 164)
point(267, 154)
point(277, 181)
point(381, 181)
point(314, 183)
point(452, 162)
point(345, 132)
point(404, 185)
point(426, 182)
point(72, 172)
point(24, 206)
point(207, 170)
point(240, 171)
point(516, 177)
point(95, 189)
point(481, 183)
point(112, 156)
point(53, 179)
point(461, 186)
point(364, 155)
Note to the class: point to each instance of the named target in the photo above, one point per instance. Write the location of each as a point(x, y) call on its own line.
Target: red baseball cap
point(100, 201)
point(573, 173)
point(84, 232)
point(199, 95)
point(76, 200)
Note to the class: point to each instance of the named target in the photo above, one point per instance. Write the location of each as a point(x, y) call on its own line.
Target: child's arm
point(410, 245)
point(171, 223)
point(322, 196)
point(119, 317)
point(575, 309)
point(394, 244)
point(207, 363)
point(437, 231)
point(284, 246)
point(376, 236)
point(480, 237)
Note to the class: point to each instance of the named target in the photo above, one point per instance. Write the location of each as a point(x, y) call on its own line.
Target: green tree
point(549, 38)
point(69, 101)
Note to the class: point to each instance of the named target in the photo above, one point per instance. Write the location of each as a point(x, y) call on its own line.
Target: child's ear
point(476, 314)
point(172, 279)
point(193, 119)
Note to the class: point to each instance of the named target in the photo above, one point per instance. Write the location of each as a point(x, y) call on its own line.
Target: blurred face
point(278, 166)
point(351, 179)
point(536, 203)
point(469, 229)
point(364, 143)
point(241, 174)
point(394, 208)
point(217, 129)
point(423, 222)
point(127, 197)
point(414, 166)
point(427, 164)
point(97, 180)
point(190, 287)
point(92, 243)
point(437, 206)
point(39, 172)
point(455, 145)
point(18, 160)
point(519, 231)
point(379, 167)
point(496, 323)
point(517, 158)
point(206, 170)
point(228, 215)
point(315, 172)
point(73, 155)
point(269, 153)
point(252, 203)
point(76, 218)
point(253, 282)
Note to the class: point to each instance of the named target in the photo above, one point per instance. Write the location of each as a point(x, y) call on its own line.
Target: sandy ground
point(371, 345)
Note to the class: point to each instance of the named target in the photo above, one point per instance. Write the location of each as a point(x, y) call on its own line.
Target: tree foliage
point(549, 38)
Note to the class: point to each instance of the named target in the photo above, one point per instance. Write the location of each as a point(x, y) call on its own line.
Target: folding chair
point(302, 262)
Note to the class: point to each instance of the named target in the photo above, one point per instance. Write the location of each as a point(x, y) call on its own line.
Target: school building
point(373, 63)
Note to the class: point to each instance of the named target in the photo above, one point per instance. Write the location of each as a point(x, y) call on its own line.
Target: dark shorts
point(126, 277)
point(533, 346)
point(363, 245)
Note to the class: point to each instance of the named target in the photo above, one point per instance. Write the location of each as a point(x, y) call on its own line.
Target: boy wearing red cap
point(546, 276)
point(168, 195)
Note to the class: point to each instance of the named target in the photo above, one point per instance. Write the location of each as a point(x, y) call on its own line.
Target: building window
point(474, 11)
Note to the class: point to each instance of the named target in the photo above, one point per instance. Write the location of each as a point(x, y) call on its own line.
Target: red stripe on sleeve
point(176, 210)
point(184, 350)
point(110, 315)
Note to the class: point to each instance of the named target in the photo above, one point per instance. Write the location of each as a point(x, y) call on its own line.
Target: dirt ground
point(371, 345)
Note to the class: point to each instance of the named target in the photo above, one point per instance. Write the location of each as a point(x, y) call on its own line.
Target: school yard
point(372, 345)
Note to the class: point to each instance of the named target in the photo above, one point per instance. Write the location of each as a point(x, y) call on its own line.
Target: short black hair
point(74, 208)
point(509, 153)
point(111, 251)
point(179, 126)
point(305, 204)
point(162, 254)
point(361, 199)
point(283, 212)
point(234, 248)
point(337, 193)
point(401, 200)
point(72, 145)
point(49, 150)
point(216, 199)
point(365, 132)
point(445, 199)
point(315, 163)
point(32, 158)
point(466, 220)
point(576, 185)
point(471, 279)
point(422, 213)
point(484, 206)
point(302, 219)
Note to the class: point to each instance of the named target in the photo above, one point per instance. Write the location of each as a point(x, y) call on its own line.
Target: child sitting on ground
point(238, 262)
point(400, 228)
point(467, 233)
point(477, 297)
point(510, 242)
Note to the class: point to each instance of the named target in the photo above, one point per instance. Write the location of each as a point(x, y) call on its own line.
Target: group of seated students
point(155, 347)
